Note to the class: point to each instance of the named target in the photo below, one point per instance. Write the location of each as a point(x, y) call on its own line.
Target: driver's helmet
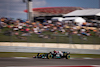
point(55, 51)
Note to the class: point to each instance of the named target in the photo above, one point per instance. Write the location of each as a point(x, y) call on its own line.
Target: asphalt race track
point(31, 62)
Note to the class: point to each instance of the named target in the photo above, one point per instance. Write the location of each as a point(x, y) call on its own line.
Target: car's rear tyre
point(49, 56)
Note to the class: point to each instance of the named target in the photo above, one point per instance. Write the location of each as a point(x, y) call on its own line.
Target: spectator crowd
point(21, 28)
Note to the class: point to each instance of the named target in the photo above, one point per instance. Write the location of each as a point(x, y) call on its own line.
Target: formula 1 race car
point(53, 55)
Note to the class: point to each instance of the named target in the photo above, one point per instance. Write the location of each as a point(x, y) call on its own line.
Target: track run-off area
point(34, 62)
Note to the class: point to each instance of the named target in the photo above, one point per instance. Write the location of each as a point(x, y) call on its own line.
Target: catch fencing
point(8, 36)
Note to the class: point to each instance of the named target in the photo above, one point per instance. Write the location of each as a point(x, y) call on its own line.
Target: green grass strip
point(23, 54)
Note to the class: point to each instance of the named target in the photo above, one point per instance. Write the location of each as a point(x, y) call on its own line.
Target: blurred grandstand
point(49, 31)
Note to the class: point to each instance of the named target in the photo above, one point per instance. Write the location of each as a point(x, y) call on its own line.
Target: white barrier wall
point(52, 45)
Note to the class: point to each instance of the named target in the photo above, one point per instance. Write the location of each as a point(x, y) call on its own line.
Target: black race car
point(53, 55)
